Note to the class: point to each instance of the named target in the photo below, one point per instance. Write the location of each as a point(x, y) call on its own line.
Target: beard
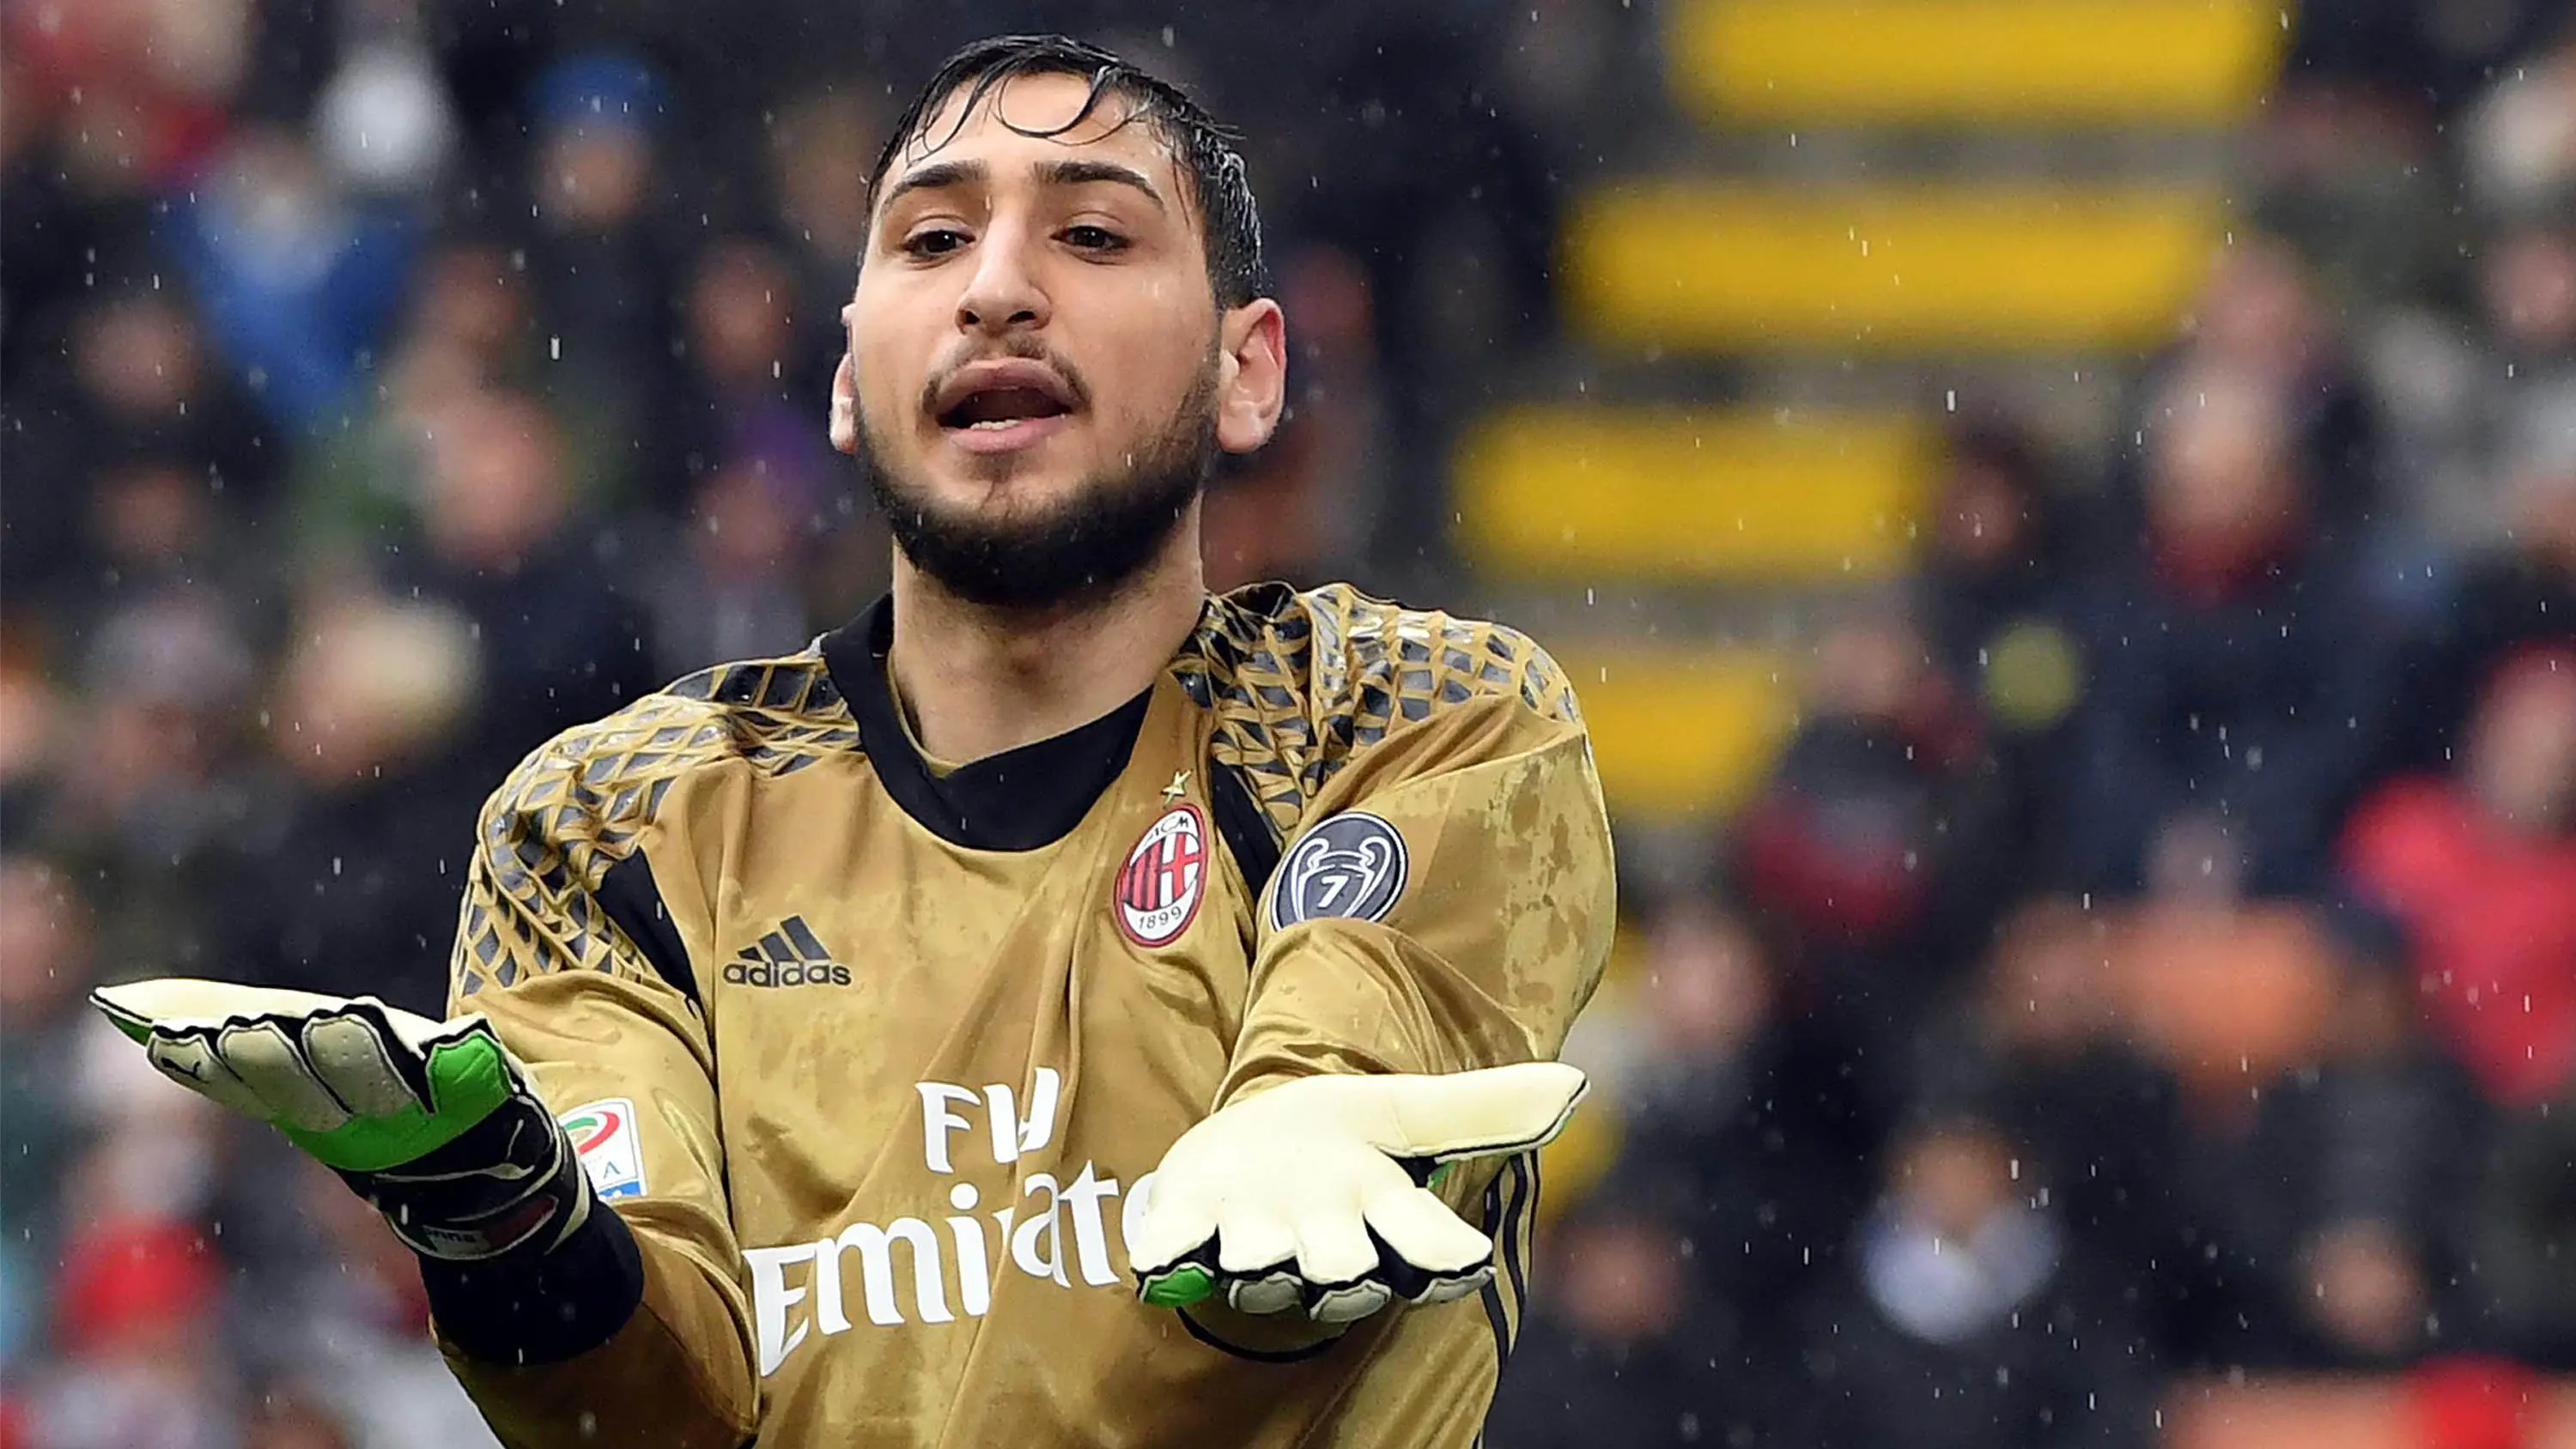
point(1075, 551)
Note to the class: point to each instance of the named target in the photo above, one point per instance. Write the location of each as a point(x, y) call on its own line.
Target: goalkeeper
point(1060, 1007)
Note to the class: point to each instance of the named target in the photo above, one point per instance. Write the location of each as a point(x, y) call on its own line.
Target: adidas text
point(821, 973)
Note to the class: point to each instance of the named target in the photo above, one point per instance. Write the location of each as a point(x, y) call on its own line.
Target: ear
point(845, 407)
point(1252, 381)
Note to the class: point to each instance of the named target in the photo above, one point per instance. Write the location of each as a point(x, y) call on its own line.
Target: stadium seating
point(1695, 266)
point(1680, 733)
point(1834, 279)
point(1989, 62)
point(1755, 496)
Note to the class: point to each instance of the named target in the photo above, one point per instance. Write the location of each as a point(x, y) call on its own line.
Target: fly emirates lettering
point(911, 1271)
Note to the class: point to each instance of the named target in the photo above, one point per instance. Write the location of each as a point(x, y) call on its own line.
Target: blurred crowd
point(2154, 952)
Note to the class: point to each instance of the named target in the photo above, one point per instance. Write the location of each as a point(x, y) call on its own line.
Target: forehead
point(998, 129)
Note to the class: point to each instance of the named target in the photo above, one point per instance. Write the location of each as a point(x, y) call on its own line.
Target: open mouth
point(1004, 404)
point(998, 408)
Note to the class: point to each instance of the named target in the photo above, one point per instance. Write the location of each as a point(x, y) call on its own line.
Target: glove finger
point(1478, 1113)
point(1176, 1285)
point(266, 1059)
point(1455, 1286)
point(1350, 1301)
point(1274, 1292)
point(190, 1060)
point(1173, 1225)
point(355, 1058)
point(1333, 1246)
point(1420, 1229)
point(1252, 1239)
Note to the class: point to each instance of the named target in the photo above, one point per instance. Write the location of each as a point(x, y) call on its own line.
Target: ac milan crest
point(1165, 876)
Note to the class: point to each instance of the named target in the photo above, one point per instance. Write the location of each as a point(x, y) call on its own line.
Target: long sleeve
point(1446, 904)
point(636, 1331)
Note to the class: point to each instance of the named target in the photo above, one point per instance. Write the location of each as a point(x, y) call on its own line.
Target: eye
point(1089, 237)
point(937, 241)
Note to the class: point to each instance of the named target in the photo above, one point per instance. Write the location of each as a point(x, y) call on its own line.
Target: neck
point(979, 680)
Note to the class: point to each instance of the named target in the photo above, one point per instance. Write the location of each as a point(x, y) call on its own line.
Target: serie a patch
point(1351, 865)
point(603, 1135)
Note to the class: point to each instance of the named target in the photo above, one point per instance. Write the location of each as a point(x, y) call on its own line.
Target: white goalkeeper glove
point(431, 1121)
point(1313, 1194)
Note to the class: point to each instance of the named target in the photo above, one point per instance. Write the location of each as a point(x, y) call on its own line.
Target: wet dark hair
point(1230, 222)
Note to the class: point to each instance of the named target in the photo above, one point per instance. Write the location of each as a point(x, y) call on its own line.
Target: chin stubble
point(1082, 549)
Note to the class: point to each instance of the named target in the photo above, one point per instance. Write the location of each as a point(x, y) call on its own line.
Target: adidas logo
point(787, 956)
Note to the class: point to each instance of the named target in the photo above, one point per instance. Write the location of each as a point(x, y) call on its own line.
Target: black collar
point(1017, 800)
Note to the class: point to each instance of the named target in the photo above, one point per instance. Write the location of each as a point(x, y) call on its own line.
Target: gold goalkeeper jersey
point(876, 1059)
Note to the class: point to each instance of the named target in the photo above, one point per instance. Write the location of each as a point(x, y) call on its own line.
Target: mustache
point(1017, 349)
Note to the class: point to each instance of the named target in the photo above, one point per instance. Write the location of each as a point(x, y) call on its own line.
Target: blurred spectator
point(2522, 1275)
point(2362, 1168)
point(140, 390)
point(2518, 598)
point(730, 593)
point(1969, 1319)
point(359, 490)
point(1871, 846)
point(347, 884)
point(2528, 286)
point(2481, 869)
point(382, 122)
point(343, 1321)
point(2239, 664)
point(45, 968)
point(2225, 996)
point(819, 152)
point(561, 642)
point(295, 277)
point(33, 717)
point(2041, 1051)
point(2521, 139)
point(749, 394)
point(1750, 1104)
point(1998, 602)
point(2227, 991)
point(2263, 317)
point(1629, 1347)
point(605, 269)
point(142, 1364)
point(1996, 563)
point(150, 790)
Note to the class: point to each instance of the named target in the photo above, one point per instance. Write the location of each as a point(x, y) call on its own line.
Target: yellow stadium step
point(1714, 266)
point(1975, 62)
point(1680, 733)
point(1585, 495)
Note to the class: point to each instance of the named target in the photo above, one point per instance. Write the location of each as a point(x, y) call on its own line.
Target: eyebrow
point(943, 174)
point(936, 177)
point(1085, 173)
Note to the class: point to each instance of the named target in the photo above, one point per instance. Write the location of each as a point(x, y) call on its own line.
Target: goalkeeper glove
point(432, 1122)
point(1313, 1193)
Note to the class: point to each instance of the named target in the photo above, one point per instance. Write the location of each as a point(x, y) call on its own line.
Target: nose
point(1003, 295)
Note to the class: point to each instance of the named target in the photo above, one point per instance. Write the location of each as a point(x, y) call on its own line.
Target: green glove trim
point(1181, 1287)
point(468, 1081)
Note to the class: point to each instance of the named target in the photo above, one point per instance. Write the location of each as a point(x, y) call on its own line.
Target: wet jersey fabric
point(873, 1061)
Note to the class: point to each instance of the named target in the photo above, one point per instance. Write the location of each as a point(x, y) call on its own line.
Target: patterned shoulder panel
point(1300, 682)
point(574, 808)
